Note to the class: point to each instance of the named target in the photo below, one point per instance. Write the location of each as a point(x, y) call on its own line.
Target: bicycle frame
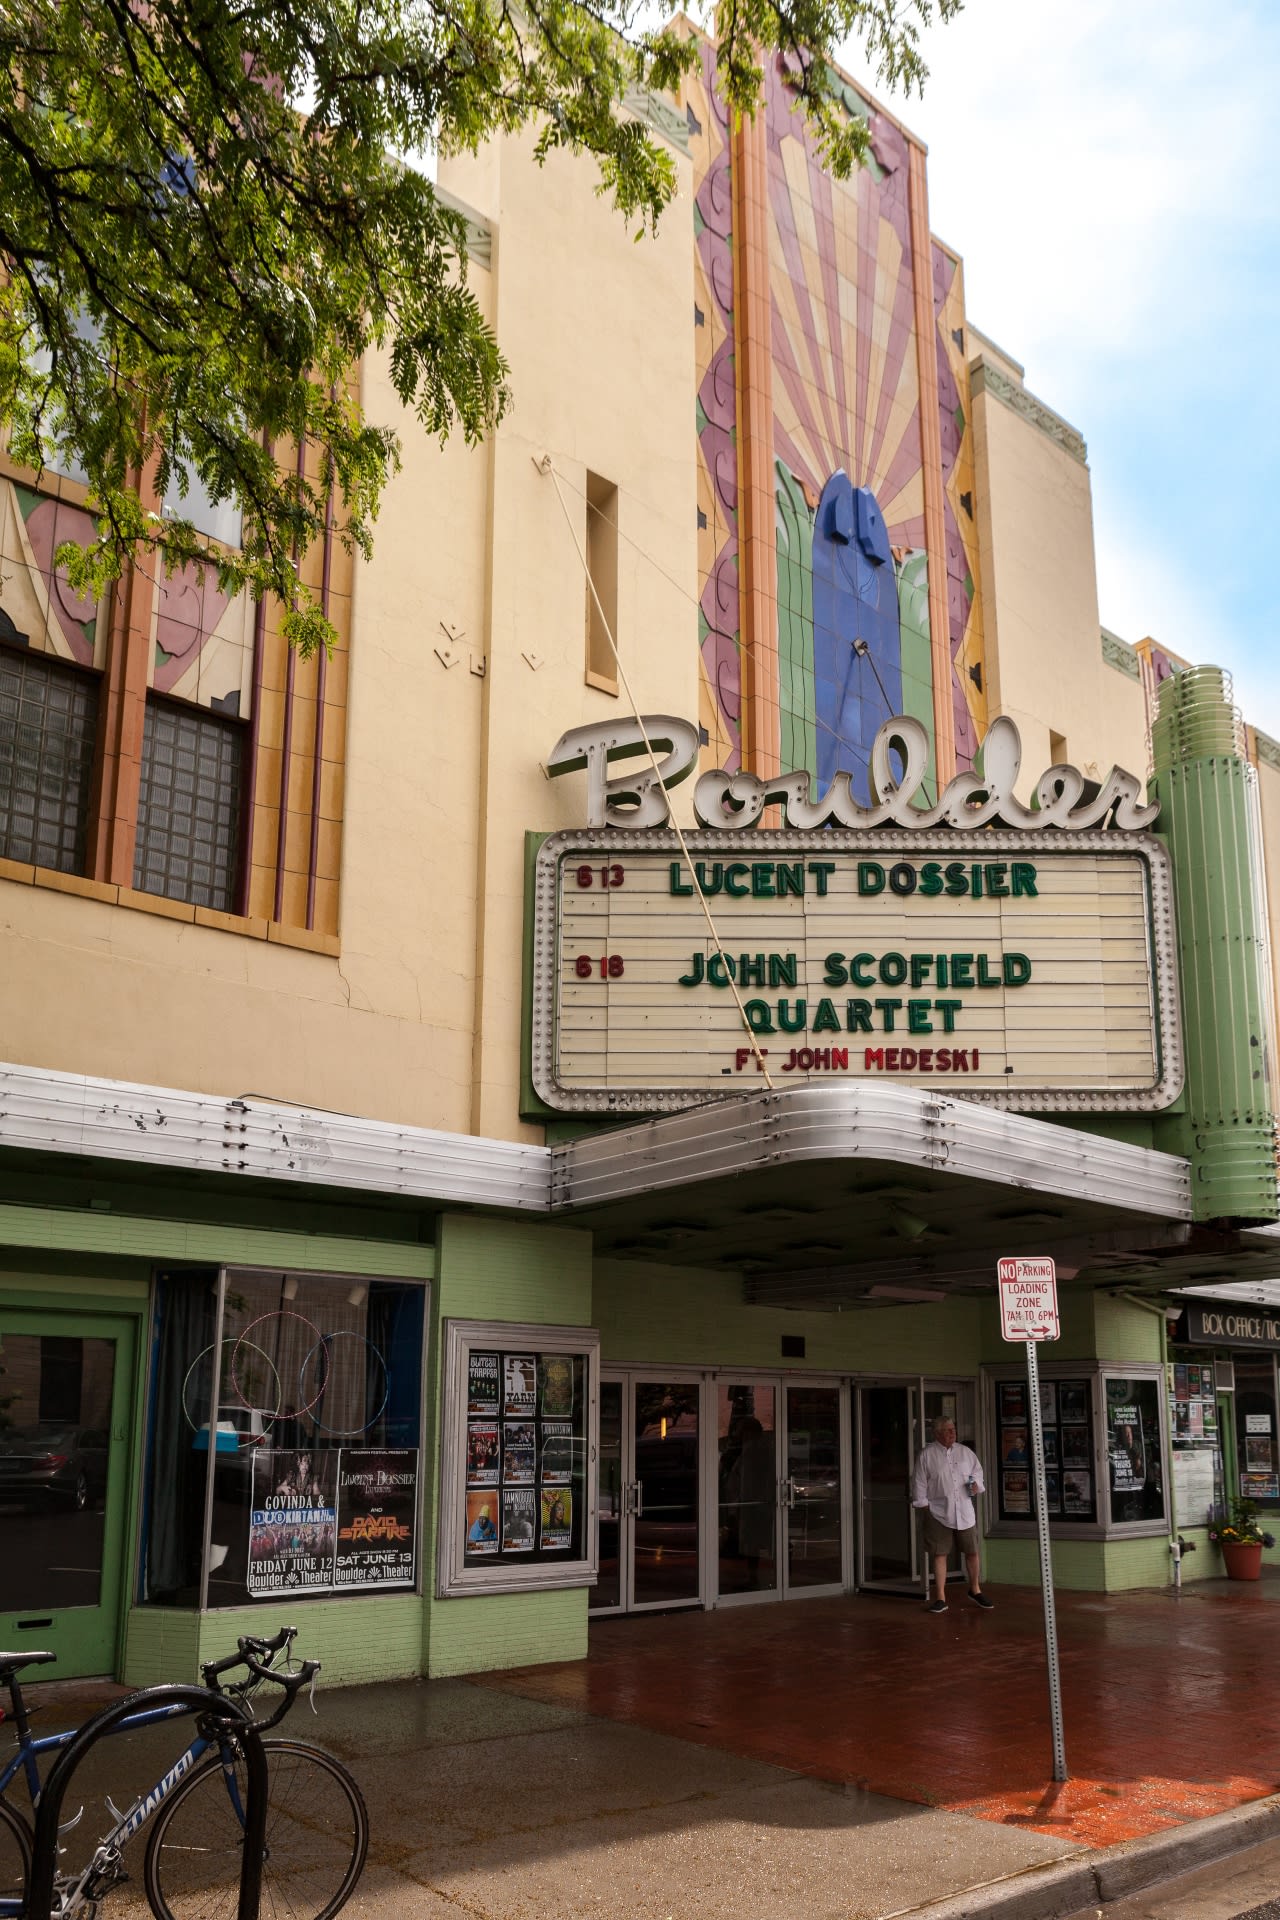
point(25, 1762)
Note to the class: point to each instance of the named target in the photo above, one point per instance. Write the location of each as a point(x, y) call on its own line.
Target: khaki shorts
point(939, 1538)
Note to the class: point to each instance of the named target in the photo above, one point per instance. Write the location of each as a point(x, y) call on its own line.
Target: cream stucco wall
point(1040, 605)
point(600, 387)
point(467, 663)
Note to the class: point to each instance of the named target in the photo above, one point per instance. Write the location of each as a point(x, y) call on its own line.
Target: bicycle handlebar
point(257, 1656)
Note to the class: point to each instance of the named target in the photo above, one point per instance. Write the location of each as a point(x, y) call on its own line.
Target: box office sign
point(1032, 970)
point(1228, 1323)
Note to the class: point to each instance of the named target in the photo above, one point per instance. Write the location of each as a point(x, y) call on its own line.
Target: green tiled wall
point(507, 1630)
point(687, 1316)
point(1099, 1566)
point(500, 1270)
point(378, 1638)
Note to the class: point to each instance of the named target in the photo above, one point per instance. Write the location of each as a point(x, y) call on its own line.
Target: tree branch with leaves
point(204, 226)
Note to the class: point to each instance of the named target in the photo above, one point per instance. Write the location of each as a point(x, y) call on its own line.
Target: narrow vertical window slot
point(602, 565)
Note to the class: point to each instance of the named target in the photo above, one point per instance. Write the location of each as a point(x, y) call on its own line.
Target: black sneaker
point(981, 1600)
point(940, 1606)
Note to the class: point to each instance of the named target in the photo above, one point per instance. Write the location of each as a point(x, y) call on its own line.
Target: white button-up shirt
point(940, 1482)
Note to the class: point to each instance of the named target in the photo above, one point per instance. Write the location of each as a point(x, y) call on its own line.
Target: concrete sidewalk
point(833, 1760)
point(508, 1809)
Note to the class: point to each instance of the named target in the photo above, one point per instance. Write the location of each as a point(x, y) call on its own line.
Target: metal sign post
point(1029, 1312)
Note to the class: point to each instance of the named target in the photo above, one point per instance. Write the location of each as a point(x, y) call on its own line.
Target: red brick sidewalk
point(1172, 1707)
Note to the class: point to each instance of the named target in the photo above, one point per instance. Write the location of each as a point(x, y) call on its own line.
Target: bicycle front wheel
point(317, 1838)
point(15, 1860)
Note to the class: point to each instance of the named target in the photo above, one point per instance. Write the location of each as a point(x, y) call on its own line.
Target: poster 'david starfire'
point(377, 1510)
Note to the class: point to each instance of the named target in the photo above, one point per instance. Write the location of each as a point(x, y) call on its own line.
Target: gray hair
point(941, 1420)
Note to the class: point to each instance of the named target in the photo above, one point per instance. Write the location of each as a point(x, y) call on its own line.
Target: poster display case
point(1258, 1458)
point(1066, 1415)
point(1135, 1466)
point(1105, 1450)
point(1195, 1440)
point(518, 1437)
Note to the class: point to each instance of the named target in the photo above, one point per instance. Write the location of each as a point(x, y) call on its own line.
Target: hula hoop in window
point(261, 1373)
point(349, 1377)
point(283, 1337)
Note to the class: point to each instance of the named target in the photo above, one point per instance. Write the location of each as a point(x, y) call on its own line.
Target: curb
point(1091, 1879)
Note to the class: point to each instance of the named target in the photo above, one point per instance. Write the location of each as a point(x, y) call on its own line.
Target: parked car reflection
point(54, 1466)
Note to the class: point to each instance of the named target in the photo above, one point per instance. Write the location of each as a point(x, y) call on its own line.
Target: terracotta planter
point(1243, 1559)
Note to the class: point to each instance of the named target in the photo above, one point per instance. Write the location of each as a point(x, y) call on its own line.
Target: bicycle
point(317, 1828)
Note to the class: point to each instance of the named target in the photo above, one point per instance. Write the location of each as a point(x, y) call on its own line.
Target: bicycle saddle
point(11, 1663)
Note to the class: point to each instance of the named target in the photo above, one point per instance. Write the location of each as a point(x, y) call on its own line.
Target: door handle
point(637, 1499)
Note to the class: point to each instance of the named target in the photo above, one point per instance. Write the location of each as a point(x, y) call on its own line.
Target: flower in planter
point(1242, 1529)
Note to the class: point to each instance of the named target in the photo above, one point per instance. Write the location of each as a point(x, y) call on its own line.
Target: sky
point(1110, 172)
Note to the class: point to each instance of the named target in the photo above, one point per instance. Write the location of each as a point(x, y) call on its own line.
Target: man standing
point(946, 1480)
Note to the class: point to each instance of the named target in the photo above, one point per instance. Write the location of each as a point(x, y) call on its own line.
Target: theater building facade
point(515, 1121)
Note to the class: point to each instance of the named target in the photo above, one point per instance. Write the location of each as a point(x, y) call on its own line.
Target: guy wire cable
point(861, 754)
point(546, 466)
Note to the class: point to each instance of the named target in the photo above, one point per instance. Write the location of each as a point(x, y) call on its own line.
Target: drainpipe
point(1202, 779)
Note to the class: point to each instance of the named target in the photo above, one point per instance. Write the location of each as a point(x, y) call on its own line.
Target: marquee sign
point(897, 772)
point(1030, 970)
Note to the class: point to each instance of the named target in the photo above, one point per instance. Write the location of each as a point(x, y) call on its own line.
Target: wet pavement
point(823, 1760)
point(487, 1805)
point(1171, 1706)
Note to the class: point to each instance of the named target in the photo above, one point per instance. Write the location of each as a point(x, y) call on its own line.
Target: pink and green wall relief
point(718, 616)
point(811, 319)
point(853, 620)
point(964, 609)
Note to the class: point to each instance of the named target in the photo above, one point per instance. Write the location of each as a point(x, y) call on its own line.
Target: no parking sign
point(1028, 1299)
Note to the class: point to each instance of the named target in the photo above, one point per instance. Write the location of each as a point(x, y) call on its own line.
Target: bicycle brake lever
point(311, 1690)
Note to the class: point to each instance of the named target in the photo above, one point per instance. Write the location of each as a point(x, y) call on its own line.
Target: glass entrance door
point(894, 1420)
point(780, 1486)
point(748, 1475)
point(66, 1396)
point(648, 1492)
point(813, 1490)
point(888, 1440)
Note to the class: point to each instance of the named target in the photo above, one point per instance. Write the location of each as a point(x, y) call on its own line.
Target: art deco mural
point(202, 639)
point(718, 637)
point(852, 530)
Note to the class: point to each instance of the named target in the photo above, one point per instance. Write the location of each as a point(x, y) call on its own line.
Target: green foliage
point(1242, 1529)
point(191, 265)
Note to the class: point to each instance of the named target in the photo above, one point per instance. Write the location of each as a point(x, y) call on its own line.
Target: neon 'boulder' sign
point(899, 763)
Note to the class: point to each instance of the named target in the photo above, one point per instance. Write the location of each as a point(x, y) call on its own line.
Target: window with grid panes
point(188, 843)
point(48, 725)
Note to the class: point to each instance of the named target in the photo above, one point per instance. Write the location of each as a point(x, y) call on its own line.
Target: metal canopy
point(818, 1196)
point(835, 1195)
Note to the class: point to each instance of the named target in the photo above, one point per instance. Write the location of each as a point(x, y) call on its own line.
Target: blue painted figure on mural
point(855, 599)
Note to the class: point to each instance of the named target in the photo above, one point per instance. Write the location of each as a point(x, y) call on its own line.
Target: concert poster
point(377, 1517)
point(292, 1519)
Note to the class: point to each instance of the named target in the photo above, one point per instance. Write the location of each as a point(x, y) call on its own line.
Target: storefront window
point(285, 1437)
point(1066, 1414)
point(1256, 1430)
point(1134, 1469)
point(1197, 1445)
point(520, 1421)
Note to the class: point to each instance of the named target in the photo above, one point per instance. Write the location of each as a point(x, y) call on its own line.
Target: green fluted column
point(1202, 780)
